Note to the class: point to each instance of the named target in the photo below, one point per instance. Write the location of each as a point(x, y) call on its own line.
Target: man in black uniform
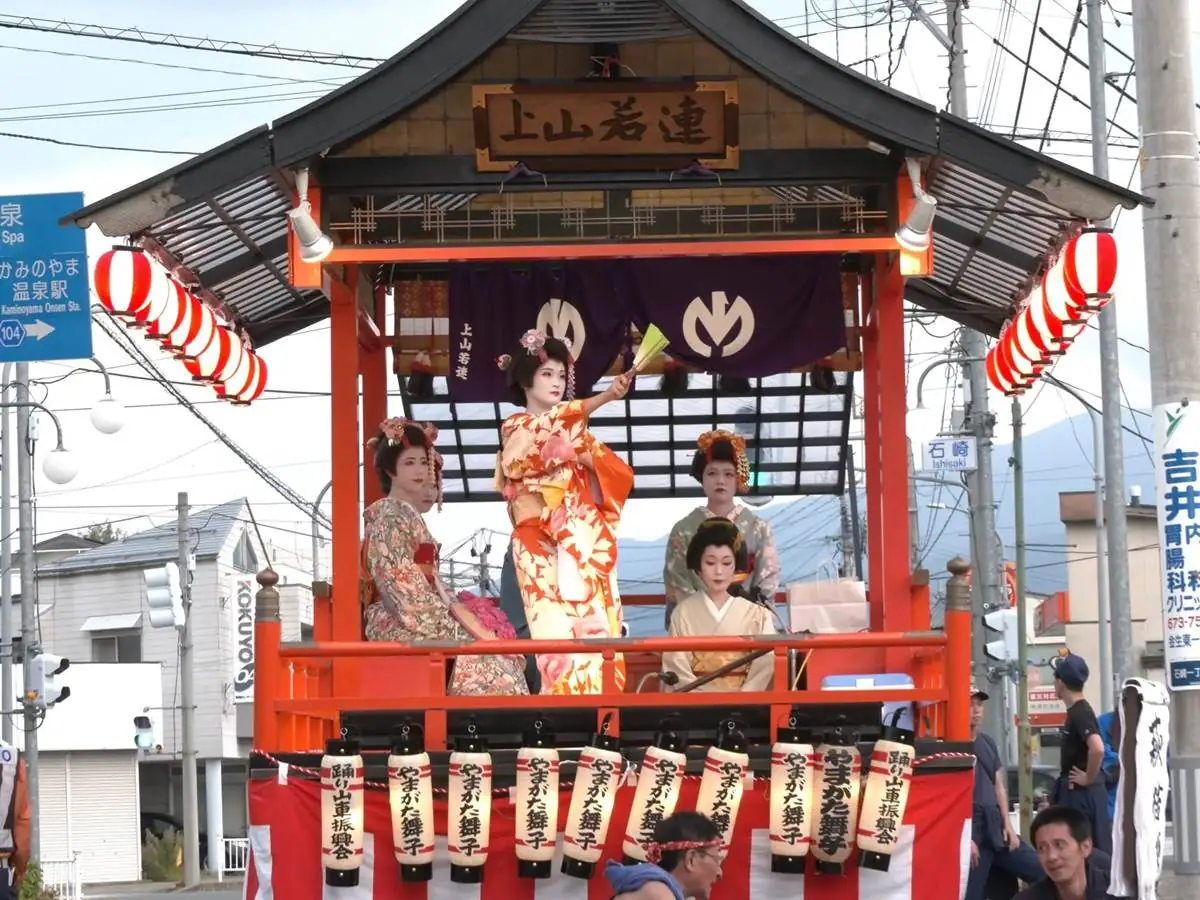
point(1081, 783)
point(996, 849)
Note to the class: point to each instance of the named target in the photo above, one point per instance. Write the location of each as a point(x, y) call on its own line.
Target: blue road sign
point(45, 310)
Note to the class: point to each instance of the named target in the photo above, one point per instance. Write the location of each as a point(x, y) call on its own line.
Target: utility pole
point(29, 629)
point(7, 691)
point(848, 570)
point(979, 422)
point(1171, 232)
point(1120, 609)
point(985, 593)
point(187, 700)
point(1024, 735)
point(855, 523)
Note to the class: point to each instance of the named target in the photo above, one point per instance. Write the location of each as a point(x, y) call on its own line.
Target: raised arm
point(618, 389)
point(400, 582)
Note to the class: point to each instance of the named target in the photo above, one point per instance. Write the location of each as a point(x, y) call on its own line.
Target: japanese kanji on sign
point(1177, 465)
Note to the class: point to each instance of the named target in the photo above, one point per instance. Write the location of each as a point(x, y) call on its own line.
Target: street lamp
point(1102, 601)
point(108, 415)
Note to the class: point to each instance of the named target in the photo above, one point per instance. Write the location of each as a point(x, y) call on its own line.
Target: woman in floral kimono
point(721, 467)
point(716, 555)
point(565, 491)
point(405, 599)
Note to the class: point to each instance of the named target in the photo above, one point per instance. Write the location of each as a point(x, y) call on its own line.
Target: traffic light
point(143, 732)
point(44, 690)
point(164, 595)
point(1004, 622)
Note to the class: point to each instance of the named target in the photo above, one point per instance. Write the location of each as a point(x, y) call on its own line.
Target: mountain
point(807, 529)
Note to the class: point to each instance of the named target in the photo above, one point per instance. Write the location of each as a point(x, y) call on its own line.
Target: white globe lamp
point(60, 466)
point(108, 415)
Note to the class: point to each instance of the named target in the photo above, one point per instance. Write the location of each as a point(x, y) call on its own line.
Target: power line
point(182, 42)
point(61, 143)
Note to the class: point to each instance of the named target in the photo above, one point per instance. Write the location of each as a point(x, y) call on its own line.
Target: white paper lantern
point(657, 794)
point(205, 333)
point(342, 813)
point(535, 834)
point(469, 820)
point(241, 380)
point(721, 786)
point(792, 771)
point(125, 278)
point(410, 795)
point(835, 799)
point(254, 389)
point(176, 315)
point(596, 780)
point(1090, 265)
point(885, 799)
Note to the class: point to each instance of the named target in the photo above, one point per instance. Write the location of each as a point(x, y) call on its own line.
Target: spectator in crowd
point(1081, 782)
point(994, 843)
point(1074, 870)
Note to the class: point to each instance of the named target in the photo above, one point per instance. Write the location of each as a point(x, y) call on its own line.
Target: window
point(244, 557)
point(117, 648)
point(306, 632)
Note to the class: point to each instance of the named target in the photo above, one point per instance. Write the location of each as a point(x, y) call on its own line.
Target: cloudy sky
point(168, 99)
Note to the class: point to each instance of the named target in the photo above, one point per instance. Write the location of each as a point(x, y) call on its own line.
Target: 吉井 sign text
point(956, 454)
point(1177, 475)
point(688, 121)
point(44, 306)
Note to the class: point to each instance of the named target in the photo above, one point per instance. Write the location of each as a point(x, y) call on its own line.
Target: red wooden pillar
point(871, 459)
point(373, 364)
point(345, 443)
point(893, 447)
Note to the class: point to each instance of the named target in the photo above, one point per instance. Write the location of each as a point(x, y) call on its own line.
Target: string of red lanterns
point(1072, 291)
point(143, 295)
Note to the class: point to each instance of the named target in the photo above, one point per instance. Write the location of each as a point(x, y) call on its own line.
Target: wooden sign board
point(606, 125)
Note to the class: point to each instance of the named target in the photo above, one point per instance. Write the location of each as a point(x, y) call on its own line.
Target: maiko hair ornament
point(710, 439)
point(395, 432)
point(654, 852)
point(534, 342)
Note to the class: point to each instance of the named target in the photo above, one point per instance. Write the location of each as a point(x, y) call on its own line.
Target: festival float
point(532, 164)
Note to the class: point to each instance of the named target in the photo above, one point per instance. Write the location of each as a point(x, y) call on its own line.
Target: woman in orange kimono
point(404, 597)
point(565, 491)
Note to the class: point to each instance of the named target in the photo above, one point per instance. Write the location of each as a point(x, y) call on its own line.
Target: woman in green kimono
point(723, 470)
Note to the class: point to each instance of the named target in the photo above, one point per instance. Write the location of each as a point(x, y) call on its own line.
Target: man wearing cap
point(1081, 782)
point(994, 844)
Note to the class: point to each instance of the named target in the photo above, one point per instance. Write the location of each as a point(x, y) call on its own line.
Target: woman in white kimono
point(716, 555)
point(721, 467)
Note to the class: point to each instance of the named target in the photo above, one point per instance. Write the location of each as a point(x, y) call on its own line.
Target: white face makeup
point(549, 386)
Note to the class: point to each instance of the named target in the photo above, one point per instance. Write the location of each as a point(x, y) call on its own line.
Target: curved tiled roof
point(222, 215)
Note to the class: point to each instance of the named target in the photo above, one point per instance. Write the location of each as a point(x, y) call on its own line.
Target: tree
point(104, 534)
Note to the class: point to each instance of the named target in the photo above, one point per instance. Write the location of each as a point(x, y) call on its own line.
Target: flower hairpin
point(504, 362)
point(533, 341)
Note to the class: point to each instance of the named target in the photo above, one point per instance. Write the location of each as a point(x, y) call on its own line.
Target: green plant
point(32, 886)
point(162, 856)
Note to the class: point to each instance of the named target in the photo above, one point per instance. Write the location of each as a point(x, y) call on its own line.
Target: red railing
point(296, 707)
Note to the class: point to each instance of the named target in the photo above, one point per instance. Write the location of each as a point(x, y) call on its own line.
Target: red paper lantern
point(125, 280)
point(237, 351)
point(161, 296)
point(1029, 358)
point(205, 331)
point(241, 379)
point(1090, 265)
point(1064, 305)
point(213, 359)
point(257, 384)
point(173, 315)
point(993, 373)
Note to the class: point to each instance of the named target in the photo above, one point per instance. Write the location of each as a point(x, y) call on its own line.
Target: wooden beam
point(405, 347)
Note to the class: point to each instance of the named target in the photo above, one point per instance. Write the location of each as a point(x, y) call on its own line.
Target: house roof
point(210, 531)
point(1002, 207)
